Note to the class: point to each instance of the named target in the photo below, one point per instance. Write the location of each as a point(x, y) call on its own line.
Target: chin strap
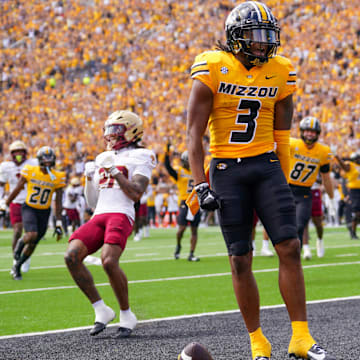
point(52, 176)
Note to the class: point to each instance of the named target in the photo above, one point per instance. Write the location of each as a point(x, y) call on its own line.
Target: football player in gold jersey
point(42, 181)
point(308, 158)
point(352, 175)
point(185, 183)
point(243, 92)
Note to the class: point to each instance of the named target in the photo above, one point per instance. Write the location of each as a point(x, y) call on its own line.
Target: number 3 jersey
point(305, 163)
point(40, 186)
point(130, 162)
point(242, 118)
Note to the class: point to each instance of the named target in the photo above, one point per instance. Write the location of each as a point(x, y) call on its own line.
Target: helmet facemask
point(18, 156)
point(243, 40)
point(252, 23)
point(121, 129)
point(310, 123)
point(115, 136)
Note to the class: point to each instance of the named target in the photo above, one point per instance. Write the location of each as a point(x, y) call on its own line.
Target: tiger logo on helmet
point(250, 22)
point(122, 128)
point(310, 123)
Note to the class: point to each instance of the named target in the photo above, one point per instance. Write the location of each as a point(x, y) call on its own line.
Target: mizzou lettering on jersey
point(238, 90)
point(40, 187)
point(353, 176)
point(306, 163)
point(242, 120)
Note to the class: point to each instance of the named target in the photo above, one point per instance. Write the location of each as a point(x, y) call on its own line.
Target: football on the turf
point(194, 351)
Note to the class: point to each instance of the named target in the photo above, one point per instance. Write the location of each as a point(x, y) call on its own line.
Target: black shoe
point(177, 252)
point(15, 273)
point(315, 353)
point(97, 329)
point(122, 333)
point(192, 257)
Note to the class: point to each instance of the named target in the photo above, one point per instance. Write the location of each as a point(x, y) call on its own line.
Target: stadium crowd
point(66, 65)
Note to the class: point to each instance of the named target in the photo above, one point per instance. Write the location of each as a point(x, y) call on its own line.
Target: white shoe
point(26, 265)
point(307, 254)
point(320, 250)
point(266, 252)
point(137, 237)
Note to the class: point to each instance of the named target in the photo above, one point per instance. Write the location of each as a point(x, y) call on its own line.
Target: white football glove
point(332, 208)
point(106, 160)
point(3, 207)
point(333, 149)
point(90, 169)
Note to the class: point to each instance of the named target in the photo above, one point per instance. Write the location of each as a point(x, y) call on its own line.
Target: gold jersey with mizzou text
point(305, 163)
point(241, 123)
point(40, 186)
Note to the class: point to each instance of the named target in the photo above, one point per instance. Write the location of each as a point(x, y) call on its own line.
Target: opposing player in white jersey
point(71, 204)
point(114, 183)
point(10, 174)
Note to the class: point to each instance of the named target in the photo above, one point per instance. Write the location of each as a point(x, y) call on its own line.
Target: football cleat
point(122, 333)
point(100, 326)
point(266, 252)
point(177, 252)
point(316, 352)
point(15, 273)
point(192, 257)
point(307, 254)
point(25, 267)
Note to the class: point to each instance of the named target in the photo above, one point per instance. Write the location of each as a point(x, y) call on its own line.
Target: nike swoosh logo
point(272, 160)
point(269, 77)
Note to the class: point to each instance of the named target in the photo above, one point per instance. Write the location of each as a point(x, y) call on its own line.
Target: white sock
point(127, 319)
point(254, 246)
point(306, 247)
point(265, 245)
point(103, 313)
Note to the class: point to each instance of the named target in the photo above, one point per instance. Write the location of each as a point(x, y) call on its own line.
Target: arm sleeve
point(169, 168)
point(91, 193)
point(282, 139)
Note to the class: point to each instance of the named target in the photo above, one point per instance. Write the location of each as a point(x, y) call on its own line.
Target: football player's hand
point(208, 199)
point(106, 160)
point(3, 207)
point(90, 169)
point(58, 232)
point(333, 149)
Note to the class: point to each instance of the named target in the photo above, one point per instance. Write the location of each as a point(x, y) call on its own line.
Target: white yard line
point(175, 278)
point(175, 318)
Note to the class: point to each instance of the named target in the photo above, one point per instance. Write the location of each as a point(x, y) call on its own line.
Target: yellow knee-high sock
point(260, 345)
point(301, 340)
